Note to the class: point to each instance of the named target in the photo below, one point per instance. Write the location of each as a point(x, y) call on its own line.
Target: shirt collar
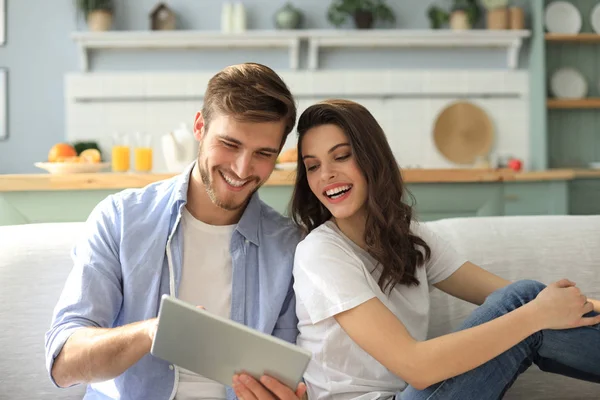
point(248, 224)
point(250, 220)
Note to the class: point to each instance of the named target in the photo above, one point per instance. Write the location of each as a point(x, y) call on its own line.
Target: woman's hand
point(561, 305)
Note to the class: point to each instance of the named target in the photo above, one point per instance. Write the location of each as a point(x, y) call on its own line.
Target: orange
point(90, 156)
point(75, 159)
point(61, 151)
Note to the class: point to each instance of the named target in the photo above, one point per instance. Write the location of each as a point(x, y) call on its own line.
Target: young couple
point(348, 279)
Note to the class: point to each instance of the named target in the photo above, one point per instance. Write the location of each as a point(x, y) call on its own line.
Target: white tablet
point(218, 348)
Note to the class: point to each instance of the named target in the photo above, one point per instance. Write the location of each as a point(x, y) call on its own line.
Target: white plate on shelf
point(562, 17)
point(71, 168)
point(568, 83)
point(594, 165)
point(595, 18)
point(286, 166)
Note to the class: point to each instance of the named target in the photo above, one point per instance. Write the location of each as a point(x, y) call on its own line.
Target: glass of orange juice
point(142, 152)
point(120, 153)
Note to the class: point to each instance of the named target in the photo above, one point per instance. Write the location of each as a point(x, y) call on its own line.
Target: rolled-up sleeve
point(92, 294)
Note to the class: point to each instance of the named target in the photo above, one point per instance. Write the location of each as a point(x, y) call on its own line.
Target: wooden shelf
point(510, 40)
point(575, 38)
point(589, 103)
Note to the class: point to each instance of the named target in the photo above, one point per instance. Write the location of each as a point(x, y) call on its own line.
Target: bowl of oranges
point(64, 158)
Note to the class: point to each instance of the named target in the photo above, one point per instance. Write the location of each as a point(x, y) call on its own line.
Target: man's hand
point(248, 388)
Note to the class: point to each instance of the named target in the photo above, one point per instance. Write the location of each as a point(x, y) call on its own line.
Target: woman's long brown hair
point(387, 232)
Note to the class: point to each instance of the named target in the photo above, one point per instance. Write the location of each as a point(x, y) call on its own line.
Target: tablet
point(218, 348)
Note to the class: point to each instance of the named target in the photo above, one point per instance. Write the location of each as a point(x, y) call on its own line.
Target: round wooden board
point(462, 132)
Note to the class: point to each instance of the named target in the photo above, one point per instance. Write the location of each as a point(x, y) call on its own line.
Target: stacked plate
point(595, 18)
point(563, 17)
point(568, 83)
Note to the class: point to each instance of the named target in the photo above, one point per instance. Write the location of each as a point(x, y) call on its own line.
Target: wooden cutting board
point(462, 132)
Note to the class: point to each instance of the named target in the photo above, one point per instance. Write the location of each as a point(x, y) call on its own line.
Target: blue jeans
point(571, 352)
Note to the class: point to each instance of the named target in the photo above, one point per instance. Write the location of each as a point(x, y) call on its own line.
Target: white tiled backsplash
point(406, 104)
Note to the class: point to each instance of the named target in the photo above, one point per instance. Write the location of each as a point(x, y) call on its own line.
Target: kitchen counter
point(103, 181)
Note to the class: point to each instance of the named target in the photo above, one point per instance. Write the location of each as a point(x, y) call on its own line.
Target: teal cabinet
point(584, 197)
point(534, 198)
point(48, 206)
point(432, 200)
point(452, 200)
point(277, 197)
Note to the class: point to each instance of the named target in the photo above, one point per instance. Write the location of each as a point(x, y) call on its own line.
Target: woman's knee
point(503, 301)
point(518, 293)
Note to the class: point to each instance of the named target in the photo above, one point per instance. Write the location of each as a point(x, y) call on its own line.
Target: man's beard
point(210, 190)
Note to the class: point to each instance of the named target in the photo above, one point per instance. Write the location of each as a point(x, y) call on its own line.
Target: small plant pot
point(99, 20)
point(516, 18)
point(497, 19)
point(363, 19)
point(459, 21)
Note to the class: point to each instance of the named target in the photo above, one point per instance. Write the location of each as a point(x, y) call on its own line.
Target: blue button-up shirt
point(131, 254)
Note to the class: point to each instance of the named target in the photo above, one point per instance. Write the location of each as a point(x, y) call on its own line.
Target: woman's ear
point(199, 126)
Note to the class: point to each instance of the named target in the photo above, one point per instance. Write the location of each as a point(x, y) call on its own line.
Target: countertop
point(111, 181)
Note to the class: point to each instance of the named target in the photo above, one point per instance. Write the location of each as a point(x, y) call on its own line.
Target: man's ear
point(199, 126)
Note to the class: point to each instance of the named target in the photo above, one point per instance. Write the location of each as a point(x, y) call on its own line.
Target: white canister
point(227, 17)
point(239, 17)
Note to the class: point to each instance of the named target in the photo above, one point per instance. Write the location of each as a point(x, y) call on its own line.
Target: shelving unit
point(163, 40)
point(510, 40)
point(570, 137)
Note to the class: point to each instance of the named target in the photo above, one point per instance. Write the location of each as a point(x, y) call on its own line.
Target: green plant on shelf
point(364, 12)
point(87, 6)
point(438, 17)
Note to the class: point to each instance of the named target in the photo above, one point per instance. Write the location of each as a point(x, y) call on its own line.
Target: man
point(203, 236)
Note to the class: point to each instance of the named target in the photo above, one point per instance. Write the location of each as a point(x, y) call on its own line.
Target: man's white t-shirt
point(331, 275)
point(205, 281)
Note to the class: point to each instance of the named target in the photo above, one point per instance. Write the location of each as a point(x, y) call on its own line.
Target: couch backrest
point(34, 264)
point(544, 248)
point(35, 261)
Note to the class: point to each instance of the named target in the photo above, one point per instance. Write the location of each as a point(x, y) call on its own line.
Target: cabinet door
point(451, 200)
point(536, 198)
point(49, 206)
point(584, 197)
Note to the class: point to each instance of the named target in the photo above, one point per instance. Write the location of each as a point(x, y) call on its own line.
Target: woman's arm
point(377, 331)
point(421, 364)
point(471, 283)
point(474, 284)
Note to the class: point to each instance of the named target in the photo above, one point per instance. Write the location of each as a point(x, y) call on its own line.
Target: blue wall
point(39, 51)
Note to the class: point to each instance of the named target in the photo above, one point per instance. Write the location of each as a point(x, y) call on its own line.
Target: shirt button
point(246, 241)
point(171, 367)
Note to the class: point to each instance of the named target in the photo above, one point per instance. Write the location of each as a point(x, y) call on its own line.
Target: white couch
point(35, 260)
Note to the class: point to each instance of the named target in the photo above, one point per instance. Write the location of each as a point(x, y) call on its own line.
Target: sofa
point(35, 260)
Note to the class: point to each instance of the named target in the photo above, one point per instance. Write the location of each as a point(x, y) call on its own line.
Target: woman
point(363, 275)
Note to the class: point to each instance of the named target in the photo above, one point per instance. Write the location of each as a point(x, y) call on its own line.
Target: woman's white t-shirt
point(331, 275)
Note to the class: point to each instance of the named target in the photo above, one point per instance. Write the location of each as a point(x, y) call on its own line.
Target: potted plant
point(464, 14)
point(364, 12)
point(98, 13)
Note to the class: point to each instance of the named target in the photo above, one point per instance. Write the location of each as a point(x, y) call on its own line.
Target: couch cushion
point(544, 248)
point(34, 264)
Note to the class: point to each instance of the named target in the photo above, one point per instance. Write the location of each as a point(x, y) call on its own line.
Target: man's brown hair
point(250, 92)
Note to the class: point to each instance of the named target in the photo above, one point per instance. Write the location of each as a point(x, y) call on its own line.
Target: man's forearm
point(97, 354)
